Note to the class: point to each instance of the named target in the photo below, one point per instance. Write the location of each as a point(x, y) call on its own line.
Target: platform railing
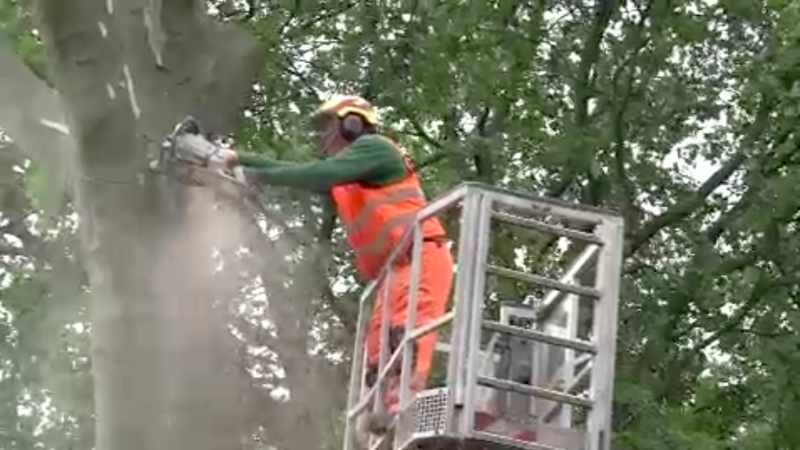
point(360, 398)
point(601, 234)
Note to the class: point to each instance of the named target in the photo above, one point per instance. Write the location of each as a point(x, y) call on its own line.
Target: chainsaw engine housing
point(188, 155)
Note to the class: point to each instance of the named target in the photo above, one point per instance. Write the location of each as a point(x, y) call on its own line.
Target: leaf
point(41, 191)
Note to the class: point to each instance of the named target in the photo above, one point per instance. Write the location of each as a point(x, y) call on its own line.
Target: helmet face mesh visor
point(325, 126)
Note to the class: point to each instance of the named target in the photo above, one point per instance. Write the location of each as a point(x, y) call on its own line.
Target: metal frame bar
point(547, 228)
point(384, 339)
point(575, 269)
point(512, 443)
point(463, 289)
point(579, 382)
point(536, 205)
point(538, 336)
point(410, 337)
point(571, 305)
point(605, 331)
point(475, 306)
point(443, 202)
point(542, 281)
point(411, 318)
point(356, 376)
point(534, 391)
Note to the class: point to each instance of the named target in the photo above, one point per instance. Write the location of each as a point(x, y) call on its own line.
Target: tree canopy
point(681, 115)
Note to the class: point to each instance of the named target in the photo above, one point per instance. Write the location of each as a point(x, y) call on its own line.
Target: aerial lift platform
point(535, 374)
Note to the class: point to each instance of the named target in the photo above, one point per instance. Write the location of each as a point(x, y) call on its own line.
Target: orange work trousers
point(435, 282)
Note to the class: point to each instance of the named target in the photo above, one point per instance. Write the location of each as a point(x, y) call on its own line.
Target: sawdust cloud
point(200, 383)
point(198, 313)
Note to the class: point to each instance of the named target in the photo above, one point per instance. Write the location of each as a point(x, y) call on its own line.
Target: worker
point(376, 194)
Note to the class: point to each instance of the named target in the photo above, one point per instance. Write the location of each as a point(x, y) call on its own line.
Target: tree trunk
point(126, 71)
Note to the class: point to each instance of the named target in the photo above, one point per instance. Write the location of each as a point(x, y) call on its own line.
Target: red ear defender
point(352, 126)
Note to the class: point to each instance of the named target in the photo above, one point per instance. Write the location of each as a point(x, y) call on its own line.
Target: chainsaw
point(193, 157)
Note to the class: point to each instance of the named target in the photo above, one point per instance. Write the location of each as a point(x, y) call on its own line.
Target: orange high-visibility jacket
point(375, 218)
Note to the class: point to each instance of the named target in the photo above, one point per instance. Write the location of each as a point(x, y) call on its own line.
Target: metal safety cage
point(449, 416)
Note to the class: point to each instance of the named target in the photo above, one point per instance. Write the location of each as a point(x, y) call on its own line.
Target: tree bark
point(31, 113)
point(126, 71)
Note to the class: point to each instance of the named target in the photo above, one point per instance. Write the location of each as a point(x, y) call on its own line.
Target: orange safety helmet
point(341, 105)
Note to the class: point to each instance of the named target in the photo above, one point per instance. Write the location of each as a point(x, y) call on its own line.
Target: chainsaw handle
point(238, 173)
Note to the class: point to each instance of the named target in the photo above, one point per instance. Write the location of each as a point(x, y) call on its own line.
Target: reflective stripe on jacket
point(376, 217)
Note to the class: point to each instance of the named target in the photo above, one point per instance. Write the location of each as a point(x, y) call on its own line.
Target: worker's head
point(341, 120)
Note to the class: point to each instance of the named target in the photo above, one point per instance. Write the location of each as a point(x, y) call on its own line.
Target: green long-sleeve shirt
point(370, 159)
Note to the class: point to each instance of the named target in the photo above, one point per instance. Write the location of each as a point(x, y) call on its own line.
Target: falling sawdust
point(197, 314)
point(201, 381)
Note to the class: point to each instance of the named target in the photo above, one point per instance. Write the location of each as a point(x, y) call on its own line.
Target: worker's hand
point(228, 157)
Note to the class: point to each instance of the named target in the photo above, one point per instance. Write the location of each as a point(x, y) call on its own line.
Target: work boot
point(362, 432)
point(374, 424)
point(378, 423)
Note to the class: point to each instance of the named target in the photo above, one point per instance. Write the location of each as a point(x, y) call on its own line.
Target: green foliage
point(624, 105)
point(612, 106)
point(40, 190)
point(15, 25)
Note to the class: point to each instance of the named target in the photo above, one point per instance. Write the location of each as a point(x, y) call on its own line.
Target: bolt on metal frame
point(480, 204)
